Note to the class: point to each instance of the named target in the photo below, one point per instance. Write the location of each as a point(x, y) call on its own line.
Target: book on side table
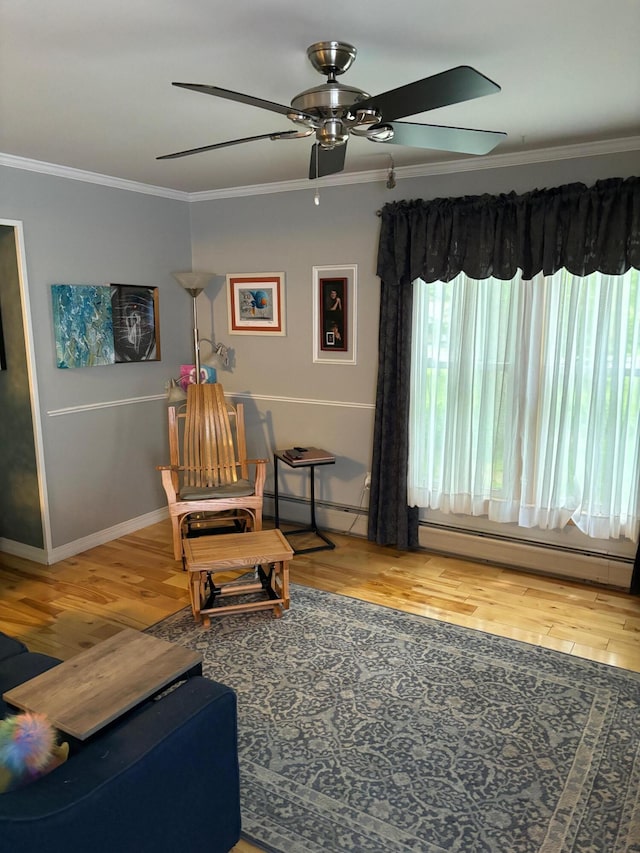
point(305, 455)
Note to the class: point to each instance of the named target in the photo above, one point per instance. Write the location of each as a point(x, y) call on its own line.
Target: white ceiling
point(87, 83)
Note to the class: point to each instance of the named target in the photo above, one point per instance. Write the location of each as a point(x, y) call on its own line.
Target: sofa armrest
point(163, 778)
point(10, 647)
point(19, 668)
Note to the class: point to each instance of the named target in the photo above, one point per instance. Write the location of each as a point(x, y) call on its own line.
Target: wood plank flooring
point(135, 582)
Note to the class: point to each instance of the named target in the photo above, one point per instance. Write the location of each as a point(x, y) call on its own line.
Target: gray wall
point(293, 400)
point(102, 438)
point(99, 453)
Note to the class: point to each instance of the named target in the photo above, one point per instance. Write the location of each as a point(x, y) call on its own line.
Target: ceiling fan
point(333, 111)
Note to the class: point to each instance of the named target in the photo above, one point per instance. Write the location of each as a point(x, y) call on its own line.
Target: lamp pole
point(196, 337)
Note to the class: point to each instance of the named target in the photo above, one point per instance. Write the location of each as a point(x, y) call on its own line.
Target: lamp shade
point(175, 393)
point(219, 356)
point(193, 282)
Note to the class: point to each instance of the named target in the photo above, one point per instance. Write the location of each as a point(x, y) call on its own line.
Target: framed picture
point(135, 323)
point(255, 303)
point(105, 324)
point(83, 325)
point(334, 314)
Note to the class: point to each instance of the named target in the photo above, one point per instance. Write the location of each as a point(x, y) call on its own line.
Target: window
point(525, 401)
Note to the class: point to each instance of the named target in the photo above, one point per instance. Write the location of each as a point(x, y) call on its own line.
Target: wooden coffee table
point(93, 688)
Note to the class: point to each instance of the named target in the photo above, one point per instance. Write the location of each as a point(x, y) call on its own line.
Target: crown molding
point(72, 174)
point(466, 164)
point(463, 164)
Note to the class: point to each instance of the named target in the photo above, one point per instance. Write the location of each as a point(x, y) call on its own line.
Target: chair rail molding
point(305, 401)
point(104, 404)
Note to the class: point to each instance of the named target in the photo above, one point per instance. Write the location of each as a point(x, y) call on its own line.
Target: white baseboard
point(345, 519)
point(294, 510)
point(28, 552)
point(70, 549)
point(543, 559)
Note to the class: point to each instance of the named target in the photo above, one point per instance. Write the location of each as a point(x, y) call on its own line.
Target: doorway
point(24, 527)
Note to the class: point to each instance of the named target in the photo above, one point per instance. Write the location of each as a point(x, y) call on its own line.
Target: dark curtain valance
point(582, 229)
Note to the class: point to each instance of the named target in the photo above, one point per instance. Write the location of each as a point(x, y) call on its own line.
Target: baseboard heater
point(538, 557)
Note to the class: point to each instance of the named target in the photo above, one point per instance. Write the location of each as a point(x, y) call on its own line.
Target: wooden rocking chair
point(209, 470)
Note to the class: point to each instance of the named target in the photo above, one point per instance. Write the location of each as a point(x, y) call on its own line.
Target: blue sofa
point(163, 778)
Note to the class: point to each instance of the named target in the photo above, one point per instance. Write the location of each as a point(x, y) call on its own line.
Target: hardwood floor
point(135, 582)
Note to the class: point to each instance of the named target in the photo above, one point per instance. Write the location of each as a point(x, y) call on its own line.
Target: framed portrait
point(255, 303)
point(135, 323)
point(334, 314)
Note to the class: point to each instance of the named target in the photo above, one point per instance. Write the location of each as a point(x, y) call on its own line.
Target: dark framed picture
point(134, 312)
point(334, 314)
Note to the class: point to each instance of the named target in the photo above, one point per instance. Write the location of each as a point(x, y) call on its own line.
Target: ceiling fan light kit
point(333, 111)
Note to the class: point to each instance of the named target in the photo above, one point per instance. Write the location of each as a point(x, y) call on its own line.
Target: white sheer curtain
point(525, 403)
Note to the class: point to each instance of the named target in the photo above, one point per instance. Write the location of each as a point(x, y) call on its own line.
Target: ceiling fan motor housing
point(328, 99)
point(331, 107)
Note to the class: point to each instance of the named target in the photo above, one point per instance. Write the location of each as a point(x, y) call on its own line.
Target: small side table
point(308, 461)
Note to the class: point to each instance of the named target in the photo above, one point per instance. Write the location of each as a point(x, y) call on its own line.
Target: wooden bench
point(265, 552)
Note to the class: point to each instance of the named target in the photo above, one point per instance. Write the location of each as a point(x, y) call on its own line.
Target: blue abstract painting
point(83, 325)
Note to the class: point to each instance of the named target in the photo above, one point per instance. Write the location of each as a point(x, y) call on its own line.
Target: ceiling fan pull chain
point(316, 197)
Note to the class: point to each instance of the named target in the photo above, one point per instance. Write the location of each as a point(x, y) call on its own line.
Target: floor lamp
point(194, 283)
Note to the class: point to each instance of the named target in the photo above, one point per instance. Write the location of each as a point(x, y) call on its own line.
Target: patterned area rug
point(362, 728)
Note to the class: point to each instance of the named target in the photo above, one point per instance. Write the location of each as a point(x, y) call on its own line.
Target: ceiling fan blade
point(326, 161)
point(283, 134)
point(449, 87)
point(459, 139)
point(241, 98)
